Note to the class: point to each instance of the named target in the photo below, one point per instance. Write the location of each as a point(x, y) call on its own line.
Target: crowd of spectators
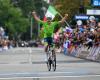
point(87, 35)
point(5, 43)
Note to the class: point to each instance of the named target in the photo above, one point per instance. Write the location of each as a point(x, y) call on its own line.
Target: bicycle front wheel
point(54, 65)
point(49, 65)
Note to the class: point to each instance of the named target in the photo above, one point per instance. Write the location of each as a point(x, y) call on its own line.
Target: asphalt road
point(29, 64)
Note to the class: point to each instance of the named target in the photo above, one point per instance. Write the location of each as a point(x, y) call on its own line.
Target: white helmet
point(91, 18)
point(79, 22)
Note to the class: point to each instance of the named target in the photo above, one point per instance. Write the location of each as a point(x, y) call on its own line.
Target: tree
point(25, 5)
point(70, 6)
point(12, 19)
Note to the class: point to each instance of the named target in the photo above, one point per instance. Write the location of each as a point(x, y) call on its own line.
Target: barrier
point(94, 54)
point(83, 52)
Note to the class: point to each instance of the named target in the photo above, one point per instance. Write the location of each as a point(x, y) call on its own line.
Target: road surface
point(29, 64)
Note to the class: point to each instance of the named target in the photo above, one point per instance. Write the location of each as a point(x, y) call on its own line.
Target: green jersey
point(48, 28)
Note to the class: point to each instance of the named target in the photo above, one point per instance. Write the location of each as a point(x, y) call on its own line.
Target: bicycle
point(51, 58)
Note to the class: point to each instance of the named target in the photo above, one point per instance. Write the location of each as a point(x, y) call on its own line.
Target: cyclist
point(48, 27)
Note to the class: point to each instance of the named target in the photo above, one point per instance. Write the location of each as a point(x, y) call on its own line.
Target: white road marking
point(46, 76)
point(37, 73)
point(82, 76)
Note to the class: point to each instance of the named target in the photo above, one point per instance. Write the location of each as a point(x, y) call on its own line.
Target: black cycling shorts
point(49, 40)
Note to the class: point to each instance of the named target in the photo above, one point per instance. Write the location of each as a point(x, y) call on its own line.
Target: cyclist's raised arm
point(63, 19)
point(36, 17)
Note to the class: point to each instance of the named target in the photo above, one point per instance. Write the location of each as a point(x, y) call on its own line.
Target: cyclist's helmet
point(49, 18)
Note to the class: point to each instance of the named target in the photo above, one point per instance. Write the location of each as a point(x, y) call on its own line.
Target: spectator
point(66, 46)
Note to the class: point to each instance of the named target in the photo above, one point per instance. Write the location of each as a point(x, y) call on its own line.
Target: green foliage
point(11, 18)
point(26, 6)
point(70, 6)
